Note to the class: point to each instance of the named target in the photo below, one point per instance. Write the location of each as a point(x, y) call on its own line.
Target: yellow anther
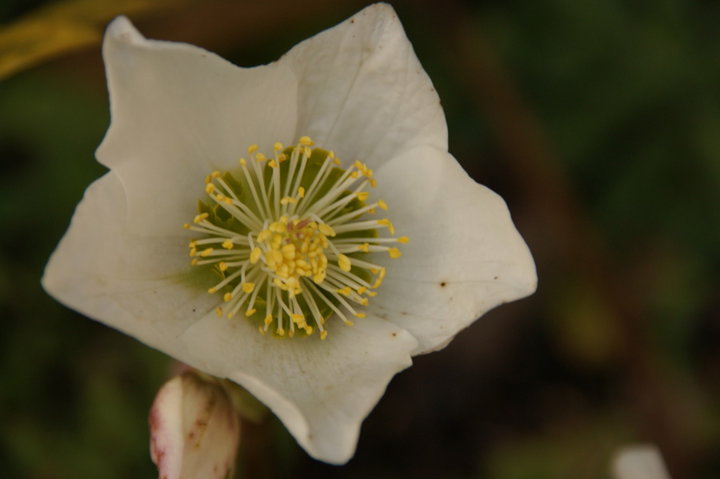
point(242, 161)
point(344, 262)
point(301, 192)
point(194, 262)
point(360, 315)
point(193, 251)
point(250, 312)
point(288, 251)
point(373, 182)
point(227, 297)
point(252, 149)
point(260, 157)
point(337, 161)
point(323, 334)
point(382, 205)
point(319, 277)
point(365, 247)
point(227, 244)
point(386, 222)
point(268, 320)
point(219, 312)
point(222, 266)
point(206, 252)
point(282, 157)
point(186, 226)
point(261, 330)
point(255, 255)
point(209, 188)
point(364, 301)
point(248, 287)
point(379, 279)
point(394, 253)
point(298, 318)
point(345, 291)
point(361, 290)
point(326, 229)
point(288, 199)
point(227, 200)
point(208, 179)
point(363, 195)
point(278, 146)
point(403, 239)
point(355, 174)
point(272, 164)
point(212, 290)
point(280, 332)
point(216, 174)
point(306, 141)
point(308, 330)
point(199, 218)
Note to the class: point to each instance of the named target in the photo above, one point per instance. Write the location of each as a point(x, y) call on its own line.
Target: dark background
point(599, 123)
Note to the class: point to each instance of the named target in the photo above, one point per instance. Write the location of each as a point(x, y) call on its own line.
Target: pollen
point(290, 238)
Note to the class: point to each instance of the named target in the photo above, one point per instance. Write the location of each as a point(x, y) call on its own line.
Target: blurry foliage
point(57, 28)
point(628, 94)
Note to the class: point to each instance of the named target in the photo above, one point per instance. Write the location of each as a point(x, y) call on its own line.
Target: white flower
point(641, 461)
point(194, 429)
point(180, 113)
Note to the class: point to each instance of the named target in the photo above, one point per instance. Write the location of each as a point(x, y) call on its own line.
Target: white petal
point(194, 430)
point(363, 92)
point(142, 286)
point(464, 256)
point(321, 390)
point(639, 462)
point(179, 112)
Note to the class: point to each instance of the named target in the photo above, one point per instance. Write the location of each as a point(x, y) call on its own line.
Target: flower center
point(291, 240)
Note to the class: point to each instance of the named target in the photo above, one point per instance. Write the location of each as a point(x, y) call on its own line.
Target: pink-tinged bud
point(194, 430)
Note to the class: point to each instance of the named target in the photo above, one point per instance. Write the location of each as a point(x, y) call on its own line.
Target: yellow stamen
point(344, 262)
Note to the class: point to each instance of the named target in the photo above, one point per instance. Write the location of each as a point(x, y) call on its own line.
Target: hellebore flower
point(287, 240)
point(194, 429)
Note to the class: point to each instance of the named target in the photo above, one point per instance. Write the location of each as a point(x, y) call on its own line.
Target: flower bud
point(194, 429)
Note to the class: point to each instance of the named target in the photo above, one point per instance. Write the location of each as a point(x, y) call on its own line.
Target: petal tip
point(122, 29)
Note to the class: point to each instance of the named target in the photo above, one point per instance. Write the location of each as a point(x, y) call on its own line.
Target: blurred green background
point(598, 121)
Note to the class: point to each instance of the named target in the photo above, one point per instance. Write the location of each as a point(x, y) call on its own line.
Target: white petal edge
point(180, 112)
point(141, 286)
point(366, 73)
point(464, 256)
point(641, 461)
point(320, 390)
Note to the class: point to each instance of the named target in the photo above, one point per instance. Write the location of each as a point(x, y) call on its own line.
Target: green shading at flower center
point(290, 237)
